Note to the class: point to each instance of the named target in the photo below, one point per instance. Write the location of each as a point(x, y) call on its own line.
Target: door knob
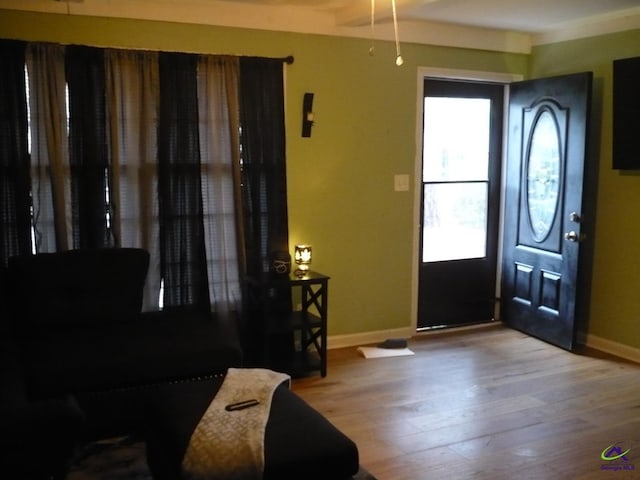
point(574, 236)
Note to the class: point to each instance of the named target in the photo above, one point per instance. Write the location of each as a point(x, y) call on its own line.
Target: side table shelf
point(303, 327)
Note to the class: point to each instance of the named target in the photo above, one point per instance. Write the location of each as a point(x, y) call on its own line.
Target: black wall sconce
point(307, 114)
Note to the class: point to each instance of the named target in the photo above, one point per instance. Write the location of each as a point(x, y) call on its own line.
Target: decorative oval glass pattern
point(543, 175)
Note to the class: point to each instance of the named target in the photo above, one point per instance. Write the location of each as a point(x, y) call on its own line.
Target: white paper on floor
point(375, 352)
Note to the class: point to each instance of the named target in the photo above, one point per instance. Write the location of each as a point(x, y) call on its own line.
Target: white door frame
point(448, 74)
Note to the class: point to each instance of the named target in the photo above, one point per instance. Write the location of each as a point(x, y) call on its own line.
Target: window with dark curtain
point(183, 263)
point(213, 131)
point(15, 203)
point(88, 150)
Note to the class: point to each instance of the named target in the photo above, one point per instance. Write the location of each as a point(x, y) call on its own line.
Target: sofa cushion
point(50, 291)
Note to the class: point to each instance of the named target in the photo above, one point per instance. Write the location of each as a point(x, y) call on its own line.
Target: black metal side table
point(305, 324)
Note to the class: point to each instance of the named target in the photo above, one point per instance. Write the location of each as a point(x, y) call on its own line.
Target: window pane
point(543, 176)
point(454, 223)
point(456, 139)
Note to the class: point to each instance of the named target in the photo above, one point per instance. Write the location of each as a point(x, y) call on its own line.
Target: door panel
point(547, 131)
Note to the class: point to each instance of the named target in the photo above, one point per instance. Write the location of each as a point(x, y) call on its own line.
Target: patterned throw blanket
point(228, 443)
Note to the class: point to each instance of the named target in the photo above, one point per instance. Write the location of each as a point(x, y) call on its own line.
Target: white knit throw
point(229, 445)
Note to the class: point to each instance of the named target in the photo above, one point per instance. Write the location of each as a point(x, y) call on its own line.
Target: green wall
point(341, 196)
point(340, 181)
point(615, 299)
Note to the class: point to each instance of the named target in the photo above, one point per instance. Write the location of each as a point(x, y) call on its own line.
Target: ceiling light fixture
point(399, 59)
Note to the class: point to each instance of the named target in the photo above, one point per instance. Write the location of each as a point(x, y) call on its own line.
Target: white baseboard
point(613, 348)
point(365, 338)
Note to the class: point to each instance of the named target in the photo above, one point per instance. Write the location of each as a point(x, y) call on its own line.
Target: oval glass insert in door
point(543, 175)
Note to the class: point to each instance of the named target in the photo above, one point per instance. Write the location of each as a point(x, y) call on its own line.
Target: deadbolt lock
point(575, 217)
point(574, 236)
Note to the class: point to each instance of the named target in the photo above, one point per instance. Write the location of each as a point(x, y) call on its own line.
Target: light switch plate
point(401, 182)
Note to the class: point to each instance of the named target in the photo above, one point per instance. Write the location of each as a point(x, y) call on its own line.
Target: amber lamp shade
point(302, 258)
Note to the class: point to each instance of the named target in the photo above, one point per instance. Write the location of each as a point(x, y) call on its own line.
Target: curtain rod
point(288, 60)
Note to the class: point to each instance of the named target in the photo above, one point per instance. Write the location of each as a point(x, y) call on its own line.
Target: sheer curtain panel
point(220, 157)
point(132, 92)
point(50, 185)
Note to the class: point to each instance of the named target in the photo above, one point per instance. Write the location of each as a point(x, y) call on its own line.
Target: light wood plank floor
point(490, 403)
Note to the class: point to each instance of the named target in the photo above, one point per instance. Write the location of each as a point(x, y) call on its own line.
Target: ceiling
point(529, 16)
point(496, 25)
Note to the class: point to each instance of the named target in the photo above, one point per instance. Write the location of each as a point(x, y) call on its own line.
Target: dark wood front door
point(543, 229)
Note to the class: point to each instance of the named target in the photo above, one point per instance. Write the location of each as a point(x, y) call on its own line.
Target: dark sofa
point(80, 362)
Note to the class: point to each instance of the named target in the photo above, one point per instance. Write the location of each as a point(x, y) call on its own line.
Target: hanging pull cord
point(399, 60)
point(372, 49)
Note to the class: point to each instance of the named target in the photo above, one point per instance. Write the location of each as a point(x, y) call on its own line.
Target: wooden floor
point(483, 404)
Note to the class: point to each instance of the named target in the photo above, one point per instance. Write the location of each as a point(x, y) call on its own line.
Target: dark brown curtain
point(183, 258)
point(15, 203)
point(88, 149)
point(264, 175)
point(264, 193)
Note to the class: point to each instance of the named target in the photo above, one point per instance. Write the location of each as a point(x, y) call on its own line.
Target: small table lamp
point(303, 259)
